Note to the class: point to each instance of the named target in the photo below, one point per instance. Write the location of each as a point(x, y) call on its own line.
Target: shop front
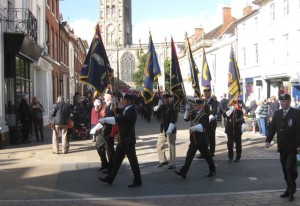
point(19, 53)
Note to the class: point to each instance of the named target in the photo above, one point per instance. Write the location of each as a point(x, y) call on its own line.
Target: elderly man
point(25, 115)
point(285, 123)
point(59, 122)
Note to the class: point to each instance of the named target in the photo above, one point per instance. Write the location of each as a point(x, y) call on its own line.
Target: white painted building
point(268, 49)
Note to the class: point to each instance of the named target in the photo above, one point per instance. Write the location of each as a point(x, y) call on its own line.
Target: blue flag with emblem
point(176, 78)
point(233, 78)
point(96, 70)
point(193, 69)
point(151, 72)
point(205, 74)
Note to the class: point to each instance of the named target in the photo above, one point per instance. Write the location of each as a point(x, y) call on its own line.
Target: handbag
point(113, 131)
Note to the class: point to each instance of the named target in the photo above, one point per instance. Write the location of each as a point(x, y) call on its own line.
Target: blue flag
point(176, 78)
point(194, 70)
point(151, 72)
point(205, 75)
point(233, 79)
point(96, 70)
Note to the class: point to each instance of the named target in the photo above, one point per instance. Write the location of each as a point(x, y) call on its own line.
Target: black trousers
point(289, 167)
point(118, 157)
point(25, 130)
point(212, 137)
point(201, 145)
point(237, 139)
point(38, 125)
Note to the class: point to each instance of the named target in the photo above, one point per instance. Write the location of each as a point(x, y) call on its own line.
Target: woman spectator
point(263, 117)
point(257, 120)
point(37, 110)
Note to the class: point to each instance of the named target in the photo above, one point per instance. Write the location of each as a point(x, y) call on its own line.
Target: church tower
point(116, 23)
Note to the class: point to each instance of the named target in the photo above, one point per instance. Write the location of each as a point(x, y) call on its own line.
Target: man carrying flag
point(151, 72)
point(193, 69)
point(96, 69)
point(211, 105)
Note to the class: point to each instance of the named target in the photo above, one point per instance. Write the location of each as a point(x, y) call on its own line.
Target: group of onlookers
point(31, 113)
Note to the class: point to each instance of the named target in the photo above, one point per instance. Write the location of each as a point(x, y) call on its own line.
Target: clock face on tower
point(110, 28)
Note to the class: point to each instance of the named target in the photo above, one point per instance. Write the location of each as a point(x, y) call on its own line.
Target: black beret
point(207, 90)
point(167, 96)
point(284, 97)
point(198, 101)
point(128, 97)
point(108, 92)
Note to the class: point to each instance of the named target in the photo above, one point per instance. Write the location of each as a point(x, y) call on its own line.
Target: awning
point(20, 43)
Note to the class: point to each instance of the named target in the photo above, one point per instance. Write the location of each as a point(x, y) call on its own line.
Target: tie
point(284, 112)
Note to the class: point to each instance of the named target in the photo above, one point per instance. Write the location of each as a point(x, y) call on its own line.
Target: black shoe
point(162, 164)
point(135, 184)
point(211, 174)
point(180, 174)
point(105, 180)
point(237, 160)
point(200, 157)
point(106, 171)
point(291, 197)
point(102, 168)
point(285, 194)
point(171, 167)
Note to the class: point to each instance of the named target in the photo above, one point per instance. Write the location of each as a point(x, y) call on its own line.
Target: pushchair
point(81, 124)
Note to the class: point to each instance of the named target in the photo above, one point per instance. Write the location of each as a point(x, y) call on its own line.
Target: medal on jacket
point(290, 122)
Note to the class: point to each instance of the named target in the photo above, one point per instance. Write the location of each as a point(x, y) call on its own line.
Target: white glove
point(228, 113)
point(170, 128)
point(108, 120)
point(97, 102)
point(160, 102)
point(186, 114)
point(211, 118)
point(156, 108)
point(95, 128)
point(244, 127)
point(187, 106)
point(196, 128)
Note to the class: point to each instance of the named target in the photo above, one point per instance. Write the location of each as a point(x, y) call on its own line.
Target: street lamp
point(118, 72)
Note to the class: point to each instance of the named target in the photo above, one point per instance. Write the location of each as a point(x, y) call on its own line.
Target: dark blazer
point(287, 128)
point(169, 115)
point(234, 123)
point(108, 113)
point(126, 125)
point(199, 118)
point(211, 108)
point(25, 113)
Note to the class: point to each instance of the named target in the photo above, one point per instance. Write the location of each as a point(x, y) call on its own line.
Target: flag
point(176, 78)
point(151, 72)
point(194, 70)
point(233, 78)
point(205, 75)
point(96, 70)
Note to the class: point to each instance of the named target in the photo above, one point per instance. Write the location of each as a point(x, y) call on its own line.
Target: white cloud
point(84, 28)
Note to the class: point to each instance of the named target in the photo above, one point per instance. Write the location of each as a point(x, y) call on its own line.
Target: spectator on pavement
point(25, 116)
point(37, 110)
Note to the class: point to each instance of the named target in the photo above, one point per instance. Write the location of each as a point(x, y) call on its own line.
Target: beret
point(207, 90)
point(167, 96)
point(284, 97)
point(128, 97)
point(198, 101)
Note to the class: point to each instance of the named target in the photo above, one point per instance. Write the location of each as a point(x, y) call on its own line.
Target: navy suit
point(288, 139)
point(126, 145)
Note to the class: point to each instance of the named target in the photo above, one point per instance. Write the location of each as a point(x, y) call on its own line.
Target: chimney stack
point(226, 15)
point(198, 33)
point(247, 10)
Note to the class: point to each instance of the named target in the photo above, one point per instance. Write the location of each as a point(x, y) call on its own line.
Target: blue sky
point(162, 17)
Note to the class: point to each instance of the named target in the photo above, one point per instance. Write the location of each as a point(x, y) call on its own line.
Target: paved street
point(31, 175)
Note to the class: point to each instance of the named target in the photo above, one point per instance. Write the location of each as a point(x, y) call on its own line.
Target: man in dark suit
point(168, 131)
point(126, 146)
point(211, 109)
point(286, 123)
point(198, 140)
point(25, 115)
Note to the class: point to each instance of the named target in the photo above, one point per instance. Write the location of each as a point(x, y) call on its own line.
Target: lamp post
point(118, 72)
